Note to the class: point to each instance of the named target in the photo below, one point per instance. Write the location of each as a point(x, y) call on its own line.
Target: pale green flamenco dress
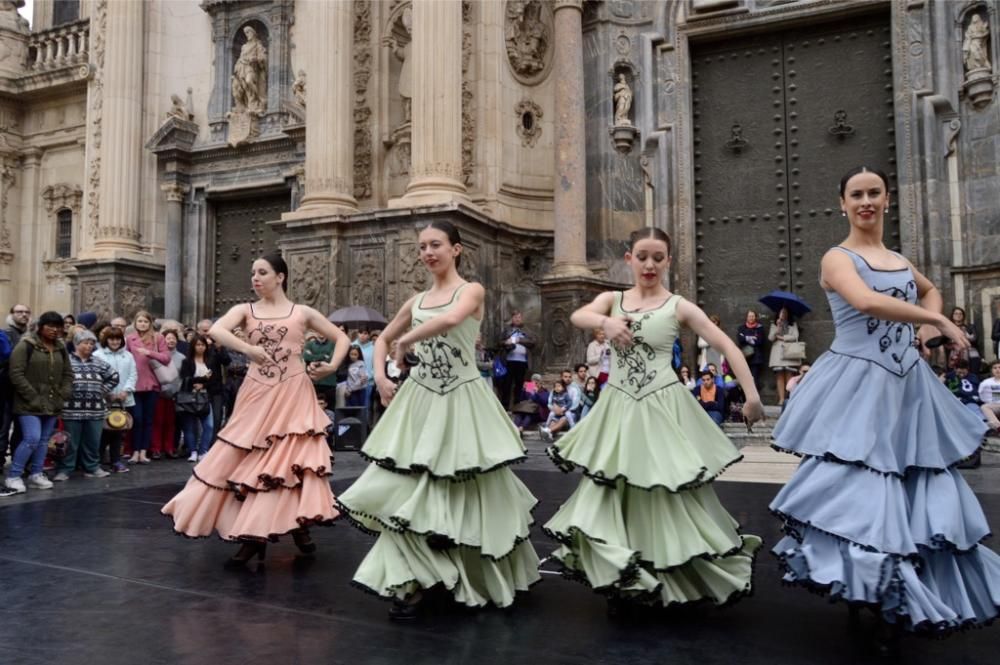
point(644, 524)
point(439, 493)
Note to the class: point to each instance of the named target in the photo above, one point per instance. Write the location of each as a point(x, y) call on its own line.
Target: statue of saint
point(623, 101)
point(299, 88)
point(401, 49)
point(178, 109)
point(249, 79)
point(974, 51)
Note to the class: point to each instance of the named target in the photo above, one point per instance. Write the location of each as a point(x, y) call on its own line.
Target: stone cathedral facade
point(150, 150)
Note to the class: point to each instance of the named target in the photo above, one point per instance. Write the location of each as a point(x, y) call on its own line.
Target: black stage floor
point(101, 580)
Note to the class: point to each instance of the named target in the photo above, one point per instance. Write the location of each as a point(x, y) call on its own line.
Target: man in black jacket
point(17, 326)
point(515, 344)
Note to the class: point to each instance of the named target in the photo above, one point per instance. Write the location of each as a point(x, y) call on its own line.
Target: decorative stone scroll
point(61, 196)
point(528, 37)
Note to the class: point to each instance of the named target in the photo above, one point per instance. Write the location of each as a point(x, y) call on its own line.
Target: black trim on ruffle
point(653, 597)
point(461, 475)
point(567, 541)
point(792, 526)
point(568, 466)
point(936, 630)
point(372, 592)
point(350, 514)
point(830, 457)
point(273, 538)
point(271, 439)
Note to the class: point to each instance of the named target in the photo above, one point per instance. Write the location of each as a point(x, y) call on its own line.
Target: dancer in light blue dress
point(877, 513)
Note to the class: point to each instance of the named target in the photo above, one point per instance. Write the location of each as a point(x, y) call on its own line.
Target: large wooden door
point(241, 235)
point(777, 120)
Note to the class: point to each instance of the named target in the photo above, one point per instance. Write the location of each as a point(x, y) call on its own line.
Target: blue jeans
point(188, 422)
point(85, 439)
point(35, 434)
point(716, 416)
point(142, 417)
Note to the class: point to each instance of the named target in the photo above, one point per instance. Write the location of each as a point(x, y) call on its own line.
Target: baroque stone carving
point(299, 88)
point(132, 298)
point(399, 40)
point(528, 38)
point(469, 269)
point(623, 101)
point(249, 78)
point(468, 107)
point(99, 23)
point(61, 195)
point(529, 126)
point(7, 181)
point(369, 276)
point(310, 279)
point(362, 109)
point(978, 84)
point(410, 279)
point(178, 109)
point(96, 298)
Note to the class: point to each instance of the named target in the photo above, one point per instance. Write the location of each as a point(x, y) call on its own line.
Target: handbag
point(193, 402)
point(164, 373)
point(118, 419)
point(747, 350)
point(58, 444)
point(499, 368)
point(793, 351)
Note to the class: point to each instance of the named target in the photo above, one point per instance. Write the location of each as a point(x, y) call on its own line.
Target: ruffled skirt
point(268, 472)
point(877, 513)
point(441, 500)
point(644, 523)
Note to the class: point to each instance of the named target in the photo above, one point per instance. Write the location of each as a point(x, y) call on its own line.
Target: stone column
point(570, 202)
point(436, 151)
point(174, 268)
point(122, 142)
point(329, 165)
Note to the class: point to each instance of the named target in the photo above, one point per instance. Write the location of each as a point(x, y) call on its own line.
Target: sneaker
point(193, 457)
point(156, 455)
point(546, 434)
point(120, 467)
point(61, 477)
point(39, 481)
point(96, 473)
point(15, 484)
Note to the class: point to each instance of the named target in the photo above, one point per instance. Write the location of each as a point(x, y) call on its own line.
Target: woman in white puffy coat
point(113, 352)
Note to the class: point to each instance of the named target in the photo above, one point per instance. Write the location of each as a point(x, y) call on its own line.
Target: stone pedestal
point(118, 287)
point(563, 344)
point(436, 152)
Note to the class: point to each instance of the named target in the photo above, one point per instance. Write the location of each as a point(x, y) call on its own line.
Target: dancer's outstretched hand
point(753, 412)
point(386, 390)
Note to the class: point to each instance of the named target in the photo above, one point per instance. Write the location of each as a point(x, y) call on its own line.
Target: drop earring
point(843, 213)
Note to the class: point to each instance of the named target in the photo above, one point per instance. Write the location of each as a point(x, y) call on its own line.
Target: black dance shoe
point(304, 542)
point(246, 552)
point(405, 610)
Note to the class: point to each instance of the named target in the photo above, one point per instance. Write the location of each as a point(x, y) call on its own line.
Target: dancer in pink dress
point(268, 474)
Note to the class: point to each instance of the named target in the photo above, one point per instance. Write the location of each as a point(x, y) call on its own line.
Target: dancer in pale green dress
point(644, 525)
point(439, 494)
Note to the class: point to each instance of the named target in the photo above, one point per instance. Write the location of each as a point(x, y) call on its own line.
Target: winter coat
point(752, 337)
point(42, 379)
point(777, 357)
point(13, 332)
point(214, 384)
point(146, 380)
point(122, 362)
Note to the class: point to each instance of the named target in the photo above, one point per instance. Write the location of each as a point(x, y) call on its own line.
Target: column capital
point(567, 4)
point(175, 191)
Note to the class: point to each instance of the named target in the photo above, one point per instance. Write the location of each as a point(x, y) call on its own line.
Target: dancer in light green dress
point(439, 494)
point(644, 524)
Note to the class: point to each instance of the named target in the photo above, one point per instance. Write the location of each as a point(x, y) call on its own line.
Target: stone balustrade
point(62, 46)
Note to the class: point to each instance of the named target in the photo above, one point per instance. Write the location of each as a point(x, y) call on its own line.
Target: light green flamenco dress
point(439, 494)
point(644, 524)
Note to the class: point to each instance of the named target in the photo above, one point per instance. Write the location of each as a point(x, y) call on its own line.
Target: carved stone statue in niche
point(974, 48)
point(178, 109)
point(249, 79)
point(623, 101)
point(299, 88)
point(399, 41)
point(528, 38)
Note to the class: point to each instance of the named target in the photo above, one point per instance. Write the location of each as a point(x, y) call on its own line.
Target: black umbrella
point(357, 316)
point(775, 300)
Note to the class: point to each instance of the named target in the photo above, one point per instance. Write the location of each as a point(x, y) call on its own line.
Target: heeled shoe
point(405, 610)
point(304, 542)
point(246, 552)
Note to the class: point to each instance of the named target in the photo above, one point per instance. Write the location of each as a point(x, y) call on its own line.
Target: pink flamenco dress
point(267, 474)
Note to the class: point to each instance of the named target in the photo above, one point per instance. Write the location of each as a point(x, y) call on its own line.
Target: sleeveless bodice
point(645, 367)
point(888, 344)
point(447, 360)
point(283, 339)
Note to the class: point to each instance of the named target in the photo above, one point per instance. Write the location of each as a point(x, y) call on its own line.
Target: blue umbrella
point(775, 300)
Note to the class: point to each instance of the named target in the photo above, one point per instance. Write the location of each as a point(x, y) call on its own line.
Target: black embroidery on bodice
point(269, 337)
point(438, 358)
point(894, 337)
point(633, 359)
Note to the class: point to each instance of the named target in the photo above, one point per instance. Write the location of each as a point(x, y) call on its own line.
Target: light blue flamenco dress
point(877, 512)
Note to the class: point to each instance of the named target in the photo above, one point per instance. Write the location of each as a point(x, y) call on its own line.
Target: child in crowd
point(560, 412)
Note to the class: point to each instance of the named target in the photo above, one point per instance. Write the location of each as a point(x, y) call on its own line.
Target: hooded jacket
point(13, 332)
point(43, 382)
